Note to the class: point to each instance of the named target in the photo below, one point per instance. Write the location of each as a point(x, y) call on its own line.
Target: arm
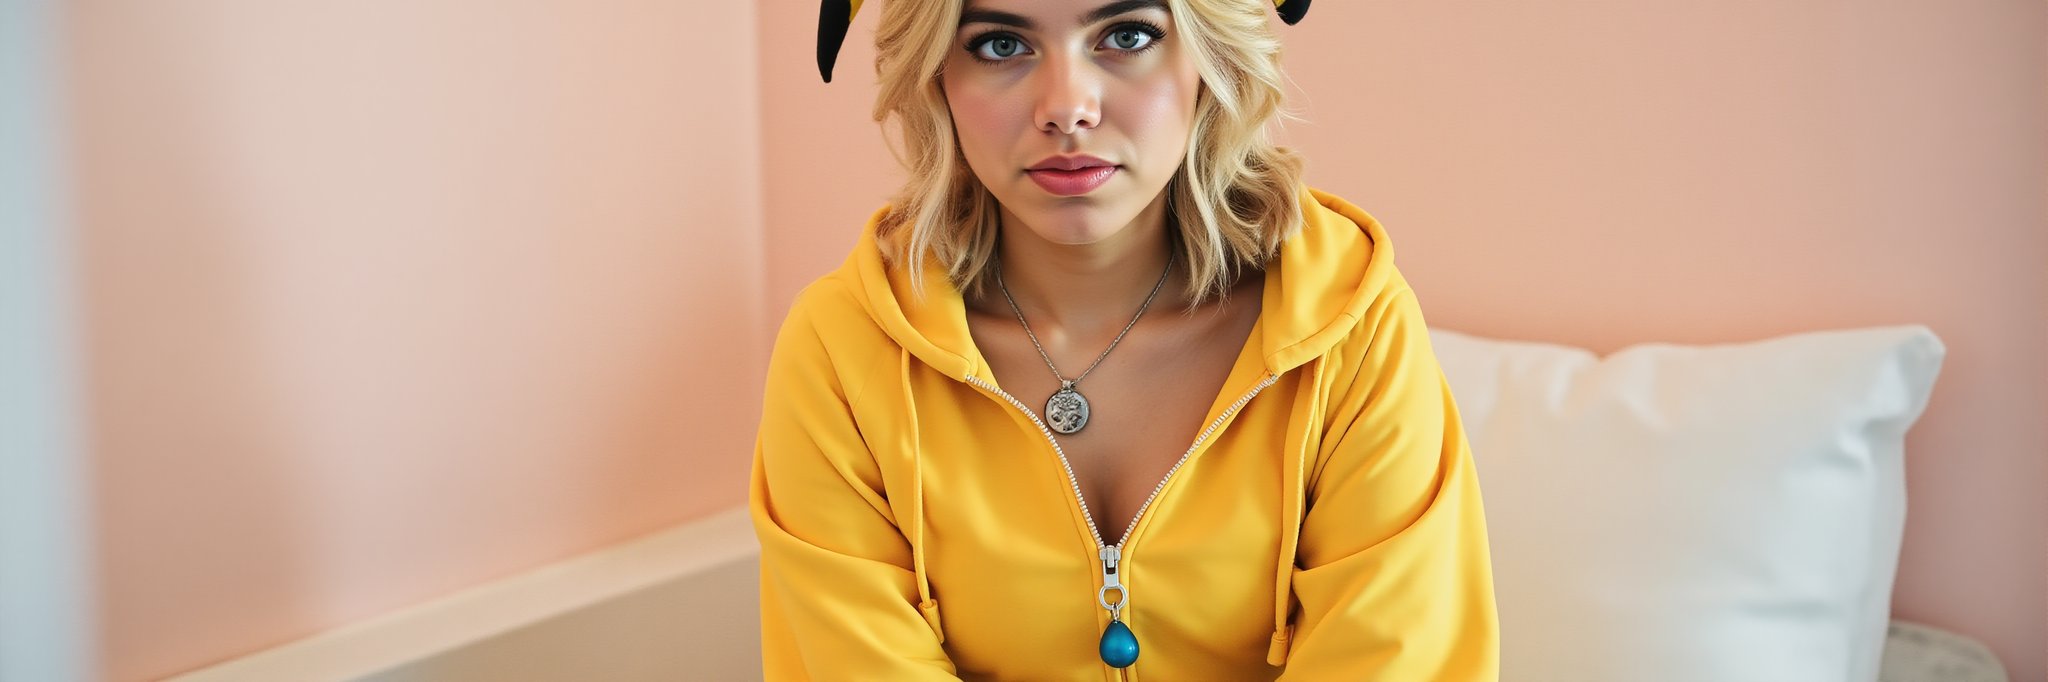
point(838, 598)
point(1393, 573)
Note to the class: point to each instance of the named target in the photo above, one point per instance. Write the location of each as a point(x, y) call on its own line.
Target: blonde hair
point(1233, 198)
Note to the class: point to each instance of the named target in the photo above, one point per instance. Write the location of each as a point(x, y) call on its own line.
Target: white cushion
point(1725, 512)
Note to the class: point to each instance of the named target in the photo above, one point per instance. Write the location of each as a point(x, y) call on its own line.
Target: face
point(1074, 113)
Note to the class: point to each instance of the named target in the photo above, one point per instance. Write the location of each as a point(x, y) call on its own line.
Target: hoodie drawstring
point(1293, 501)
point(926, 604)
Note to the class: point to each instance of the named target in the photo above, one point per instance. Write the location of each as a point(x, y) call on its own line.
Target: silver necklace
point(1067, 410)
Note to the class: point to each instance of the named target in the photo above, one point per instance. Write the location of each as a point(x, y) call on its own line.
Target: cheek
point(981, 119)
point(1160, 110)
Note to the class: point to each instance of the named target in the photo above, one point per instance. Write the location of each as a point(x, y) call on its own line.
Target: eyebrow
point(989, 16)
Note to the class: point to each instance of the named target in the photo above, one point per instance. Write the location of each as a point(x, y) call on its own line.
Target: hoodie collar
point(1316, 290)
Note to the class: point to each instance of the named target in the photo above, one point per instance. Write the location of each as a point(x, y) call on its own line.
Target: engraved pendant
point(1066, 411)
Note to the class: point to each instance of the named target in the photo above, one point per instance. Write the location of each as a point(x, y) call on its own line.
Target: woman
point(981, 457)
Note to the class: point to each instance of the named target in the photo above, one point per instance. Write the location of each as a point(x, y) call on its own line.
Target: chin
point(1076, 220)
point(1075, 224)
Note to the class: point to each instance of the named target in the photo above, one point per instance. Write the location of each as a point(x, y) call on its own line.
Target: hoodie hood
point(1316, 289)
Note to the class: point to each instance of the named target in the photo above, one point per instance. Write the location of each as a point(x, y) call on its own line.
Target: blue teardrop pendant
point(1119, 646)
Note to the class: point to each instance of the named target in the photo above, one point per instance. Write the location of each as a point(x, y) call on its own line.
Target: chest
point(1149, 399)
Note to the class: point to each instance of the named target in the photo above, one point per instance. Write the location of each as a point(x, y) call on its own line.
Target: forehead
point(1037, 14)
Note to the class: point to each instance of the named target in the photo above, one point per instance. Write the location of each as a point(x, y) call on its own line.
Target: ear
point(1291, 11)
point(834, 16)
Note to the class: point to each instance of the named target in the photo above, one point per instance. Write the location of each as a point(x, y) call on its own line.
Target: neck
point(1088, 290)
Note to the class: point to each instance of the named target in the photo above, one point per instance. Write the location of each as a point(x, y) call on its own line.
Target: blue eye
point(995, 47)
point(1130, 39)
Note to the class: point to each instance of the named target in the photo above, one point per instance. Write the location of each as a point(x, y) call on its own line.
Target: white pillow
point(1727, 512)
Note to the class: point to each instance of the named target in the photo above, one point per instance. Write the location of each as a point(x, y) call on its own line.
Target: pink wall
point(385, 300)
point(1604, 173)
point(820, 143)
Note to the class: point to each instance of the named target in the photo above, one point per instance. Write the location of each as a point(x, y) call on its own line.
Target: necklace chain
point(1105, 352)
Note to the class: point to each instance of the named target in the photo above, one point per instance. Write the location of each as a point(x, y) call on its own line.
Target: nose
point(1070, 94)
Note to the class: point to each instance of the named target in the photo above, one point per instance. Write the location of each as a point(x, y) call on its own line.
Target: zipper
point(1110, 555)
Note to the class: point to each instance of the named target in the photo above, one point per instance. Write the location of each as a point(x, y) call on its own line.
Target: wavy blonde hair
point(1233, 198)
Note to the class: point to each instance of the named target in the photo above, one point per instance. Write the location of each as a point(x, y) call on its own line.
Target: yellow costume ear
point(834, 16)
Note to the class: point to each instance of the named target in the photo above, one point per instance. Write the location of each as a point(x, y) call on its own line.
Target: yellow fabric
point(1330, 528)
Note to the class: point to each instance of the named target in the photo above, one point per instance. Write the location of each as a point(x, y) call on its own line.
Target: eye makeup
point(1153, 32)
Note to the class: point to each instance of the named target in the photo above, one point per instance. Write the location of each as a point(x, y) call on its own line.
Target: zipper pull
point(1110, 556)
point(1119, 646)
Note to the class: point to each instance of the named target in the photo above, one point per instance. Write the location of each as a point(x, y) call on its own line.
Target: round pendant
point(1066, 411)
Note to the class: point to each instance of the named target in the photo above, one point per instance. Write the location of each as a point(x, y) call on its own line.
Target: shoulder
point(1387, 350)
point(829, 336)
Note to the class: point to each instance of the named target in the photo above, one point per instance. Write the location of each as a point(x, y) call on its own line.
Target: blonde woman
point(1106, 391)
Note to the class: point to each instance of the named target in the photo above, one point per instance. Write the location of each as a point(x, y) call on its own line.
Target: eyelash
point(1148, 28)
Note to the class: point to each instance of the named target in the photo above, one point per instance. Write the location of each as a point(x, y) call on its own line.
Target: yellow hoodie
point(918, 523)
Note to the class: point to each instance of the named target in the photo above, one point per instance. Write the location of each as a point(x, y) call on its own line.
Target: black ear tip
point(1291, 11)
point(833, 18)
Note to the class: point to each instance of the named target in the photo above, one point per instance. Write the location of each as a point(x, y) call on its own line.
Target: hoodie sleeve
point(1392, 572)
point(838, 597)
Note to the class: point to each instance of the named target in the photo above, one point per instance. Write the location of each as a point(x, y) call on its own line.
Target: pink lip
point(1075, 162)
point(1072, 182)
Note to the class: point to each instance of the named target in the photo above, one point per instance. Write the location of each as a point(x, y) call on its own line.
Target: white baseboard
point(679, 597)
